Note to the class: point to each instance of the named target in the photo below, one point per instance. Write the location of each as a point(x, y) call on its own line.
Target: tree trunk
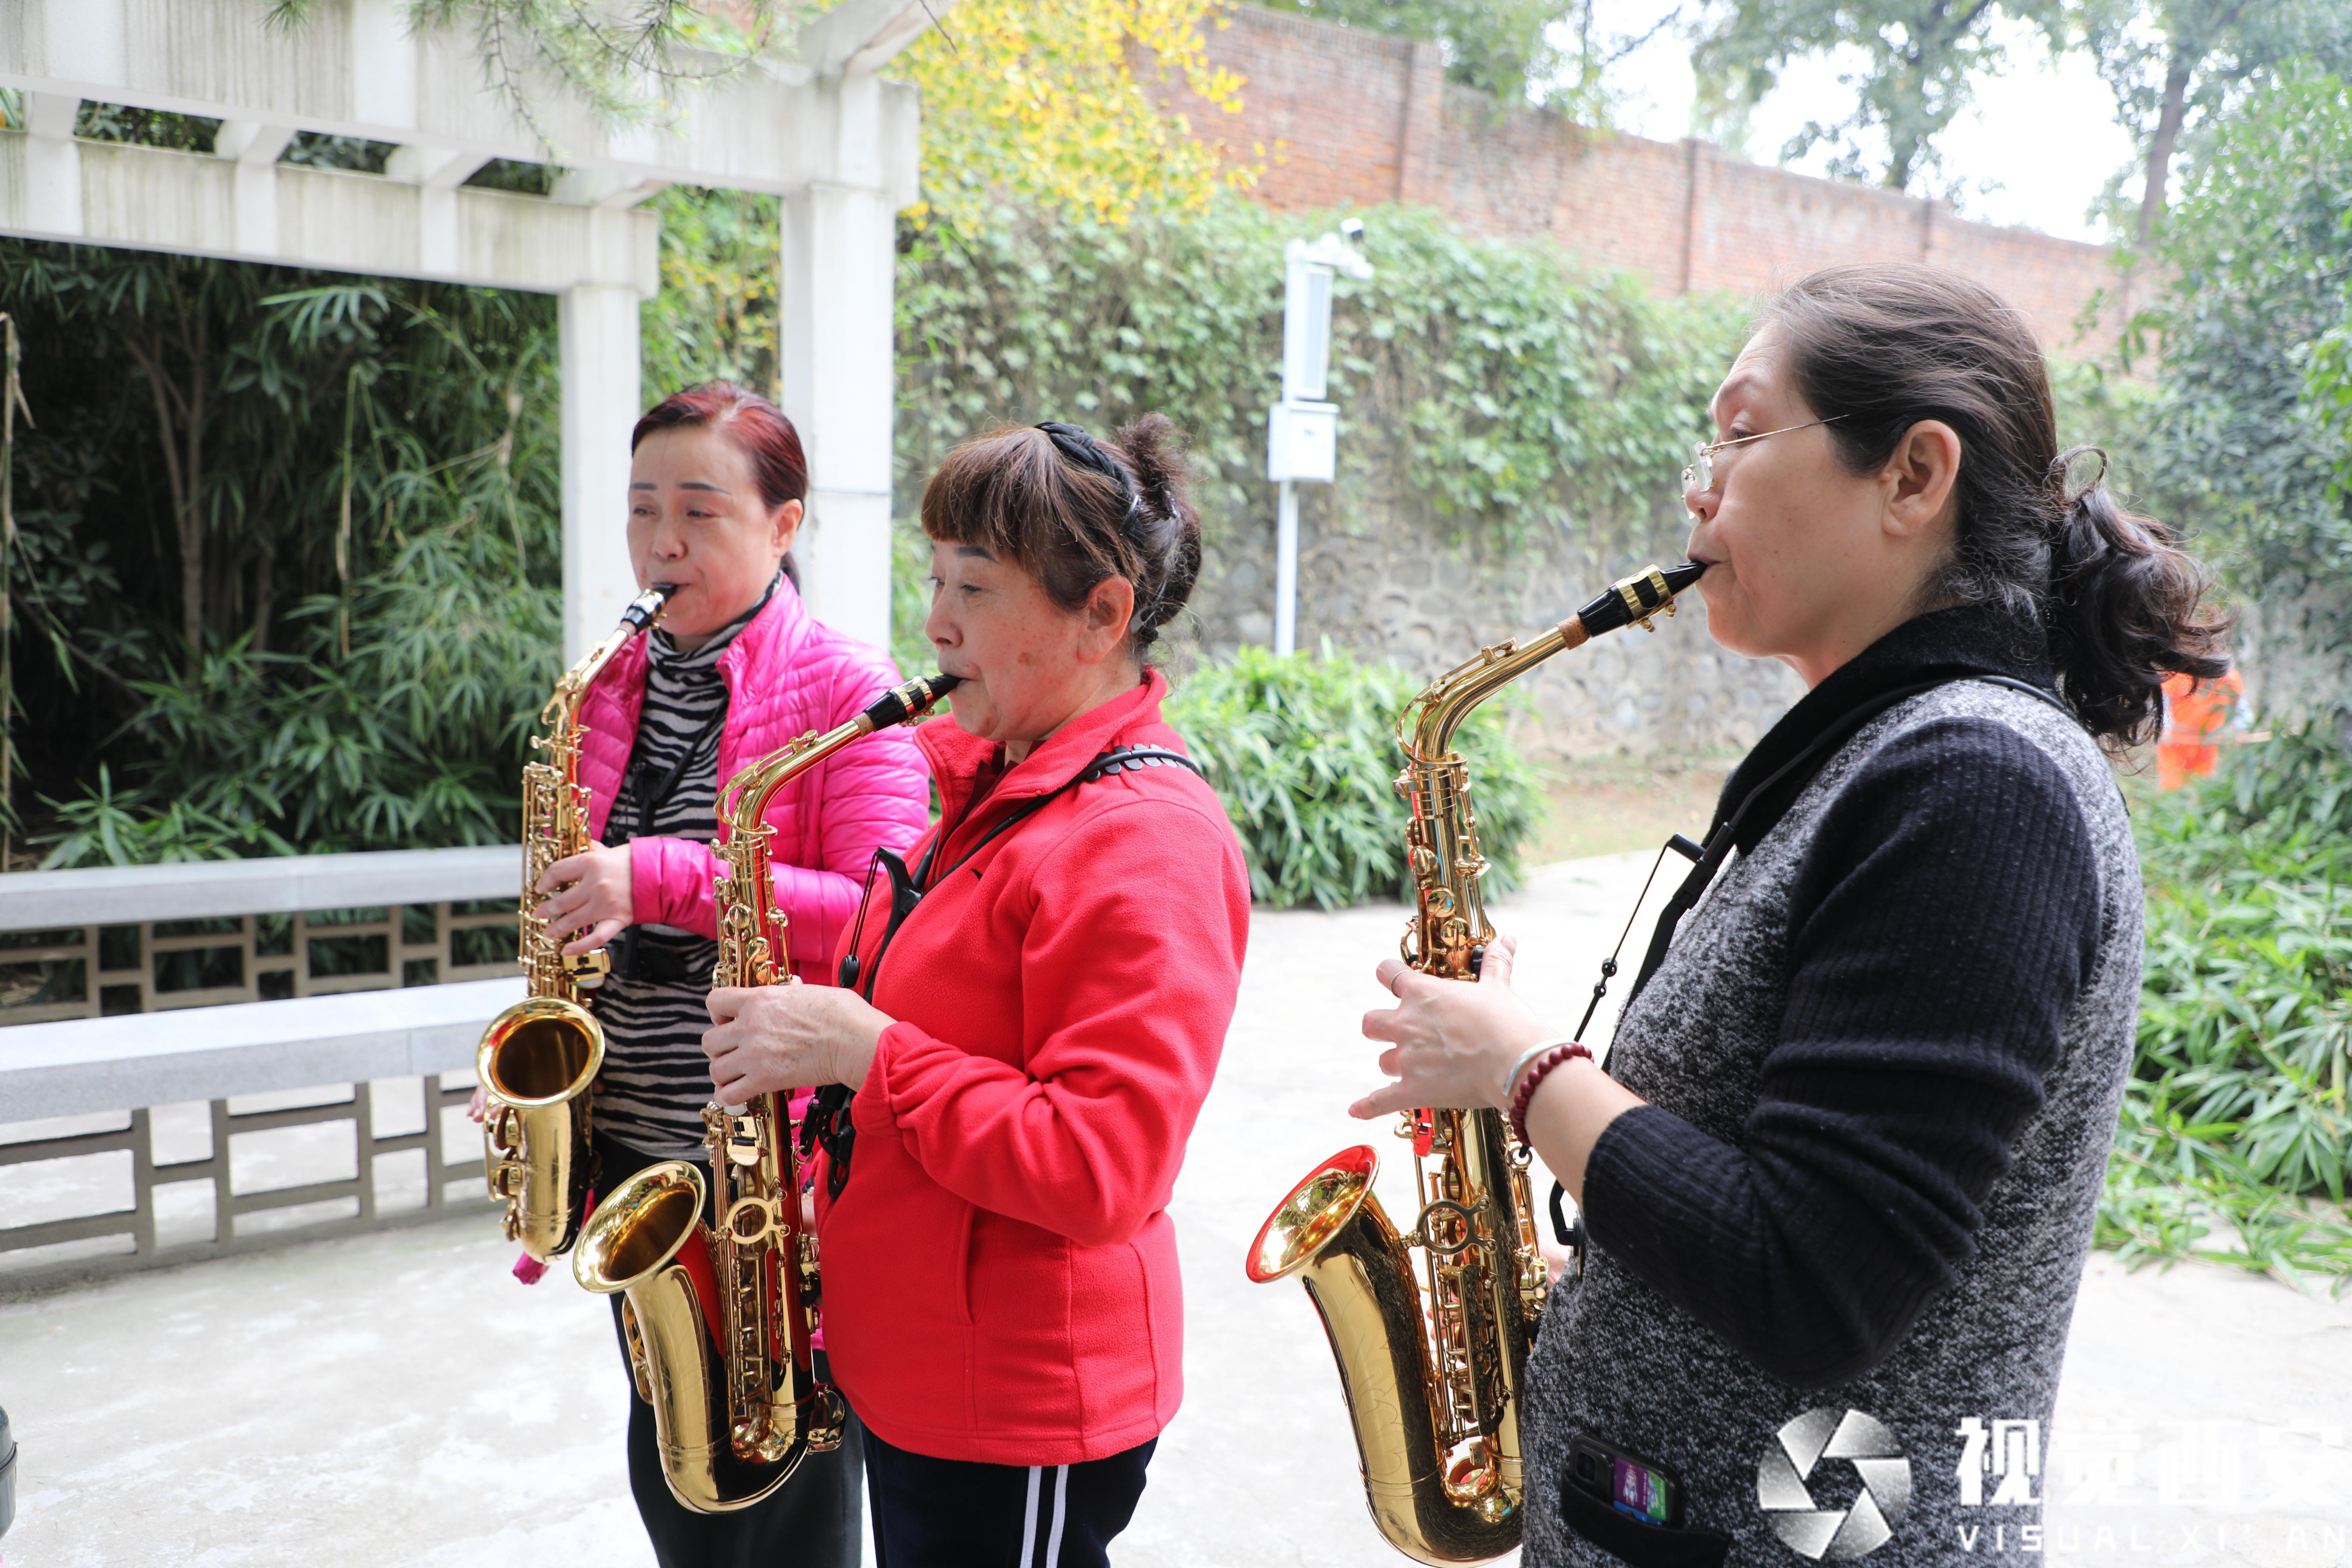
point(2160, 145)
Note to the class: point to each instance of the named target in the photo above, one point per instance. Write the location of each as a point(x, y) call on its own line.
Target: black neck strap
point(829, 1121)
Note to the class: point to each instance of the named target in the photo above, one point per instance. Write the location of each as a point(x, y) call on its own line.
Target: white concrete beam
point(147, 198)
point(253, 147)
point(354, 70)
point(251, 140)
point(437, 173)
point(435, 168)
point(604, 188)
point(51, 114)
point(857, 37)
point(602, 346)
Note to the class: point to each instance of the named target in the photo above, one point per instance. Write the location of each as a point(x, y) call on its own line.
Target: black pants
point(810, 1521)
point(955, 1514)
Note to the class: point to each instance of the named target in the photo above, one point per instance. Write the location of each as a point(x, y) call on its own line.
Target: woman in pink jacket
point(736, 669)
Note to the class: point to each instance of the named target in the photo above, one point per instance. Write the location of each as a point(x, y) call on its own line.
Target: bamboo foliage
point(292, 546)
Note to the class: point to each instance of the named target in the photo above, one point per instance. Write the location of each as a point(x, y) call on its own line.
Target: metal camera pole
point(1302, 431)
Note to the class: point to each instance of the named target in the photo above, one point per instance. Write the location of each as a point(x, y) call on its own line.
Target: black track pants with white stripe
point(955, 1514)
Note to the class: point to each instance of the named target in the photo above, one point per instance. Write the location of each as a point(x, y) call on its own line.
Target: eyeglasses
point(1699, 477)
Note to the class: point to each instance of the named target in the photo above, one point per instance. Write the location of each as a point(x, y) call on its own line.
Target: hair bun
point(1169, 532)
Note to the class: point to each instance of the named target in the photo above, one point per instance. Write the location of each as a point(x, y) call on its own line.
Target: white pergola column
point(839, 256)
point(601, 405)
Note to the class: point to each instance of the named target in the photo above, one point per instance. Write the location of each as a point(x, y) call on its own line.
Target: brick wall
point(1350, 119)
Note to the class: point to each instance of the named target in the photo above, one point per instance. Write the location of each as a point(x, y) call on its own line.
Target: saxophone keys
point(743, 1145)
point(750, 1222)
point(827, 1420)
point(1447, 1230)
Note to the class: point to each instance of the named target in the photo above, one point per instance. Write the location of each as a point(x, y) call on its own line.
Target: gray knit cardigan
point(1617, 1360)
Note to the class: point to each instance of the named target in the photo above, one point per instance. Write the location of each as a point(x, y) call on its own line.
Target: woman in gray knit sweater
point(1838, 1177)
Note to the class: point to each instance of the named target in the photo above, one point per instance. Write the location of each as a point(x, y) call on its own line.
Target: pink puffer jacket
point(786, 674)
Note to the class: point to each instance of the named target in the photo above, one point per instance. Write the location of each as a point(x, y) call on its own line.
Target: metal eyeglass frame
point(1699, 476)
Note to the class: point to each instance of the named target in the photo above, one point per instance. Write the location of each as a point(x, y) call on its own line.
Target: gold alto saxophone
point(720, 1322)
point(1432, 1371)
point(539, 1057)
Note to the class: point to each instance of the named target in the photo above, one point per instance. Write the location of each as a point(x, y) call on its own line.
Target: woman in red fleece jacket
point(1030, 1019)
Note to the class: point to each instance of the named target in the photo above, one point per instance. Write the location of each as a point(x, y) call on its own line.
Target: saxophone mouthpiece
point(647, 607)
point(1635, 599)
point(911, 700)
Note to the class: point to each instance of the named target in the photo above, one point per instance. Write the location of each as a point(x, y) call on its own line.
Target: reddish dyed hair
point(753, 423)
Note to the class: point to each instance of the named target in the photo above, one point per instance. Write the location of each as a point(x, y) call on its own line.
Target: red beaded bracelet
point(1533, 1079)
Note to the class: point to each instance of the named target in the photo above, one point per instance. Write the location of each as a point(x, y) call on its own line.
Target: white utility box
point(1302, 441)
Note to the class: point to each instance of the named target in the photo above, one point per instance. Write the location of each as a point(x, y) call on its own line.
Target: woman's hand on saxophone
point(593, 891)
point(769, 1038)
point(1454, 1045)
point(1450, 1043)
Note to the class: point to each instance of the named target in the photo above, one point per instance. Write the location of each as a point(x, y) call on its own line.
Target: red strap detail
point(1424, 1131)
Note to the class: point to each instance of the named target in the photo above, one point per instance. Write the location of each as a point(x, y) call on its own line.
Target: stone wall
point(1341, 117)
point(1401, 587)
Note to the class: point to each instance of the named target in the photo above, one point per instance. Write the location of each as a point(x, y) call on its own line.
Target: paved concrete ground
point(396, 1399)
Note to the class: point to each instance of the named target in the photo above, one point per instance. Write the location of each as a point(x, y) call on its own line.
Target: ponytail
point(2123, 611)
point(1877, 349)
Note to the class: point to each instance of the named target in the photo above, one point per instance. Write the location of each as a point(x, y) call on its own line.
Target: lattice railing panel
point(102, 970)
point(446, 1183)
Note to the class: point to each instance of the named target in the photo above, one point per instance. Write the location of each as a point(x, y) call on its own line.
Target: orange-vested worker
point(2195, 711)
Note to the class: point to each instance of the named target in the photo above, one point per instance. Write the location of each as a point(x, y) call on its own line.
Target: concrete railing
point(356, 984)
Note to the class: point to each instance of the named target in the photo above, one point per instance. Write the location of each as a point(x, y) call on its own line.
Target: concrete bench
point(82, 1065)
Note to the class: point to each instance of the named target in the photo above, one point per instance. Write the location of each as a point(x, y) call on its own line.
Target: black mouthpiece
point(1638, 598)
point(911, 700)
point(646, 605)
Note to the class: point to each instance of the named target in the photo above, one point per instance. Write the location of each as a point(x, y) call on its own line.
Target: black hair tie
point(1074, 443)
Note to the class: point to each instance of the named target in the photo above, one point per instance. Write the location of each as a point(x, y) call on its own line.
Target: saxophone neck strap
point(1107, 764)
point(829, 1119)
point(1795, 774)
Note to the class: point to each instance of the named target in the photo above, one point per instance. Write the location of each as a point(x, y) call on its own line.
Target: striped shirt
point(655, 1079)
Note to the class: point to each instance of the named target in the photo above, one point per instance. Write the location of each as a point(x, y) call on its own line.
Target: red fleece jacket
point(1000, 1274)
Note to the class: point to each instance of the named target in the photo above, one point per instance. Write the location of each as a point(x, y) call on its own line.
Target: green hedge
point(1302, 751)
point(2236, 1114)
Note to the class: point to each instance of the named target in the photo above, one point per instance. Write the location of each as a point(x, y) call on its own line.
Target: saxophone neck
point(751, 945)
point(1426, 728)
point(743, 803)
point(561, 713)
